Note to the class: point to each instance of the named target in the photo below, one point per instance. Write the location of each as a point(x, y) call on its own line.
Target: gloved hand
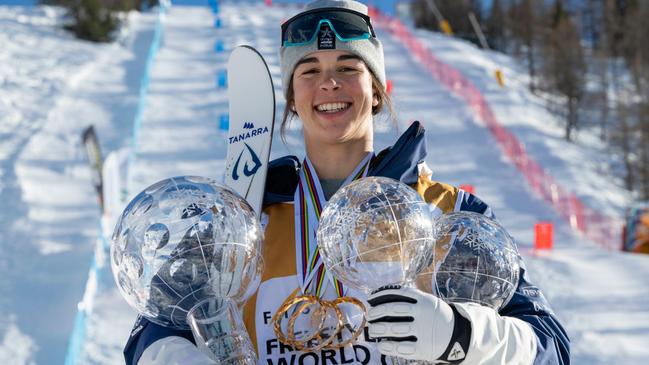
point(415, 325)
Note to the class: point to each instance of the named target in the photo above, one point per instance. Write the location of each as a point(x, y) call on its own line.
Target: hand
point(414, 325)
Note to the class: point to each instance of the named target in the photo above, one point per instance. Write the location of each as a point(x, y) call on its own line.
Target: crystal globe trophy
point(185, 253)
point(374, 232)
point(476, 261)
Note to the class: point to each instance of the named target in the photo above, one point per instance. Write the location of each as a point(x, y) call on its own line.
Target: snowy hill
point(53, 86)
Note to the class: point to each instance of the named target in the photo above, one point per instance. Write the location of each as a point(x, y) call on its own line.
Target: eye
point(309, 71)
point(346, 69)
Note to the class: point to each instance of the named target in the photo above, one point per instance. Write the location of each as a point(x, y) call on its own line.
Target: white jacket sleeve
point(496, 339)
point(173, 350)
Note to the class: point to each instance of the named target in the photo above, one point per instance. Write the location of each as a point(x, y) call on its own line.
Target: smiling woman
point(334, 98)
point(333, 79)
point(356, 66)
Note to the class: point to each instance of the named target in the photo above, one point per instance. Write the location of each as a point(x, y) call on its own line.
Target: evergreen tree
point(564, 65)
point(496, 27)
point(526, 24)
point(96, 20)
point(92, 21)
point(636, 55)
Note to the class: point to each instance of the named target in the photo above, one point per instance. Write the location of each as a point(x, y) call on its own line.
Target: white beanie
point(369, 50)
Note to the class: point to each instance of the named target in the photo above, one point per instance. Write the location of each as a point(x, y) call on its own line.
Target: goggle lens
point(347, 25)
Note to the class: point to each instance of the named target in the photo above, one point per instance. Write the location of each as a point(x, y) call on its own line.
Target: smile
point(332, 107)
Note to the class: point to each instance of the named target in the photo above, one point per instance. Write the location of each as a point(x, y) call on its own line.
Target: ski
point(252, 115)
point(93, 152)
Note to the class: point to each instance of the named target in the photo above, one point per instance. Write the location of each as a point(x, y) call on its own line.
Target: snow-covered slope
point(599, 295)
point(579, 166)
point(51, 87)
point(49, 217)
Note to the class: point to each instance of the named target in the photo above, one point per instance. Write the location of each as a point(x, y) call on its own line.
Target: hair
point(384, 101)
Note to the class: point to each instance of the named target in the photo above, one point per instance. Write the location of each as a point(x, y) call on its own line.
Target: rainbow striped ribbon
point(309, 202)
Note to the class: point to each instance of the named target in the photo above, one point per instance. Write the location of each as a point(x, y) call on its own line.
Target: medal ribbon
point(309, 202)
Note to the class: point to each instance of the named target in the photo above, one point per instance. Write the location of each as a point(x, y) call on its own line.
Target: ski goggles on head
point(348, 25)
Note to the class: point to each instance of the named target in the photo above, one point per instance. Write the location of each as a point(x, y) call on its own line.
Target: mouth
point(332, 107)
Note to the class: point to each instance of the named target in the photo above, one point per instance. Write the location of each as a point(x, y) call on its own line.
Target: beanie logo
point(326, 38)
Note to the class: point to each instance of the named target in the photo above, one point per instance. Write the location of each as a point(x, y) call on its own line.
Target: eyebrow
point(344, 57)
point(306, 60)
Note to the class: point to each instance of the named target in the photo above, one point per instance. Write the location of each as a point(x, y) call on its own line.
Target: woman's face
point(333, 97)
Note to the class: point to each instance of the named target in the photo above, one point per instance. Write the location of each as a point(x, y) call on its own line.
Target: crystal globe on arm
point(185, 253)
point(476, 261)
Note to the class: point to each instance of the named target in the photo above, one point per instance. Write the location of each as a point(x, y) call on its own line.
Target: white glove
point(414, 325)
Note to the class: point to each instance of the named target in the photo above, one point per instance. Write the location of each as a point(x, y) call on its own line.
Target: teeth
point(332, 107)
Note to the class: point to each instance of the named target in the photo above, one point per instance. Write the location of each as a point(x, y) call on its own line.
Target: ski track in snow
point(49, 205)
point(53, 86)
point(181, 115)
point(30, 91)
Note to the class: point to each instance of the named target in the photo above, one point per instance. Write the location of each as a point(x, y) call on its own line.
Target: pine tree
point(496, 25)
point(564, 65)
point(636, 55)
point(92, 21)
point(525, 19)
point(96, 20)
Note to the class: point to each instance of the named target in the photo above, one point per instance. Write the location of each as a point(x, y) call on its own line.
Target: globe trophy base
point(220, 333)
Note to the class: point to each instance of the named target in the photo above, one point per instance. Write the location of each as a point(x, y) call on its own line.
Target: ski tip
point(244, 48)
point(247, 48)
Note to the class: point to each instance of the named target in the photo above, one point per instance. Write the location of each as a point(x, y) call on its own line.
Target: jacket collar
point(398, 162)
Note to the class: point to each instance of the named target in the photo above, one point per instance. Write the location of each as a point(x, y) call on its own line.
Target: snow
point(527, 117)
point(17, 347)
point(53, 86)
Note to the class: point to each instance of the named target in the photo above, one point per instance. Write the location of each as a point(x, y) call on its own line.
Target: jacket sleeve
point(528, 304)
point(145, 334)
point(495, 339)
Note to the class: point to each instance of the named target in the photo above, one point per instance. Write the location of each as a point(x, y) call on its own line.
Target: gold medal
point(318, 312)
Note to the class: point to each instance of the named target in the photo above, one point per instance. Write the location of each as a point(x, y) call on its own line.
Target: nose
point(329, 82)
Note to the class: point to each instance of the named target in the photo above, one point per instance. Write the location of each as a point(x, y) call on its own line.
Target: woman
point(333, 79)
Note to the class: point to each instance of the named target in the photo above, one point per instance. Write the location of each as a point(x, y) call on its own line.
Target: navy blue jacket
point(398, 162)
